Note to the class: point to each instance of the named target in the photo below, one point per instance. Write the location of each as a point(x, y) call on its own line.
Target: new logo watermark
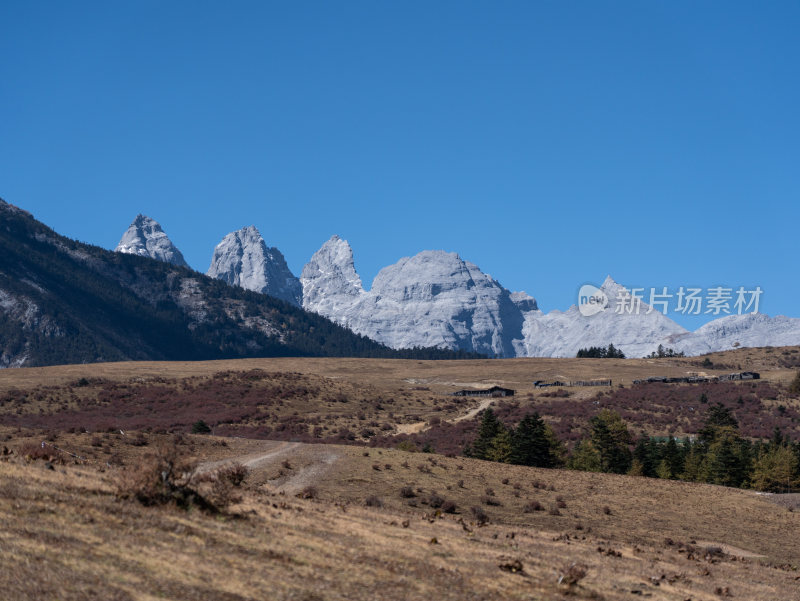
point(591, 300)
point(686, 300)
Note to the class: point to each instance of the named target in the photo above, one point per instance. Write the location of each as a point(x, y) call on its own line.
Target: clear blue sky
point(551, 143)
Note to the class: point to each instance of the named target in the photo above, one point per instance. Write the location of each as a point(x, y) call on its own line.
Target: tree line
point(718, 454)
point(663, 352)
point(600, 352)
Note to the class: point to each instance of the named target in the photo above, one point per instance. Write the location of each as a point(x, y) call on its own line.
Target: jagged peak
point(146, 238)
point(610, 282)
point(334, 251)
point(333, 263)
point(145, 221)
point(242, 258)
point(141, 220)
point(248, 231)
point(524, 301)
point(337, 242)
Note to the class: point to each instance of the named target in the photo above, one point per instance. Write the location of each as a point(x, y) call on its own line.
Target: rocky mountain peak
point(434, 298)
point(243, 259)
point(330, 281)
point(425, 275)
point(524, 301)
point(145, 238)
point(609, 282)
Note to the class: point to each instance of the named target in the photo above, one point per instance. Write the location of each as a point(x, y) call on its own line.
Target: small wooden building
point(745, 375)
point(494, 391)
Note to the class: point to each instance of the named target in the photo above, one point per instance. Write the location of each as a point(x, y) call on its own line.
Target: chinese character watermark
point(686, 300)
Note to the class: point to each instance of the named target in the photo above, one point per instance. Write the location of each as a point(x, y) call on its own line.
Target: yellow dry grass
point(438, 376)
point(64, 535)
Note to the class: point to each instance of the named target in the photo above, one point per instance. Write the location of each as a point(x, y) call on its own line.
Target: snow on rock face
point(524, 301)
point(434, 298)
point(437, 299)
point(145, 238)
point(244, 259)
point(563, 334)
point(330, 282)
point(733, 331)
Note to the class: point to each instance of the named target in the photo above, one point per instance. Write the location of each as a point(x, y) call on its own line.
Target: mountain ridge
point(405, 306)
point(436, 298)
point(64, 301)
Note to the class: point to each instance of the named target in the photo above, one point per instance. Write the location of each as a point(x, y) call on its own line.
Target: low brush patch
point(167, 477)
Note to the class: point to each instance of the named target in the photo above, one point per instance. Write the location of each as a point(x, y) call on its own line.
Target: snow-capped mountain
point(145, 238)
point(434, 298)
point(733, 331)
point(564, 333)
point(63, 301)
point(244, 259)
point(330, 283)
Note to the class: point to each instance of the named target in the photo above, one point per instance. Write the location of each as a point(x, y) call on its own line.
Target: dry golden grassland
point(777, 364)
point(326, 398)
point(65, 535)
point(326, 521)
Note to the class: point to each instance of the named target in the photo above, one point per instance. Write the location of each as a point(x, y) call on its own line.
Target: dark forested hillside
point(63, 301)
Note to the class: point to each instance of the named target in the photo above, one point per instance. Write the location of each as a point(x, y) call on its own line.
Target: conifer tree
point(489, 428)
point(500, 448)
point(611, 438)
point(533, 443)
point(585, 457)
point(775, 470)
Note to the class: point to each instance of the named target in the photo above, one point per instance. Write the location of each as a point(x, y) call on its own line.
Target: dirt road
point(417, 427)
point(307, 463)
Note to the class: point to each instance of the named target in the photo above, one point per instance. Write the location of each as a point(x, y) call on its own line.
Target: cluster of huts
point(494, 391)
point(743, 375)
point(499, 391)
point(543, 384)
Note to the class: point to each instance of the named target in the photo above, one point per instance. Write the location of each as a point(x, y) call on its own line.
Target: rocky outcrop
point(330, 283)
point(244, 259)
point(434, 298)
point(145, 238)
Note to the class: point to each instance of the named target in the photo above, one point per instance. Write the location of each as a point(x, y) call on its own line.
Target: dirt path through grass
point(307, 464)
point(317, 461)
point(417, 427)
point(484, 404)
point(252, 460)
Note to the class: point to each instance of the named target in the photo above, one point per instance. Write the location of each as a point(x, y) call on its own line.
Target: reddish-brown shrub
point(480, 515)
point(435, 501)
point(373, 501)
point(44, 452)
point(532, 506)
point(160, 478)
point(407, 492)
